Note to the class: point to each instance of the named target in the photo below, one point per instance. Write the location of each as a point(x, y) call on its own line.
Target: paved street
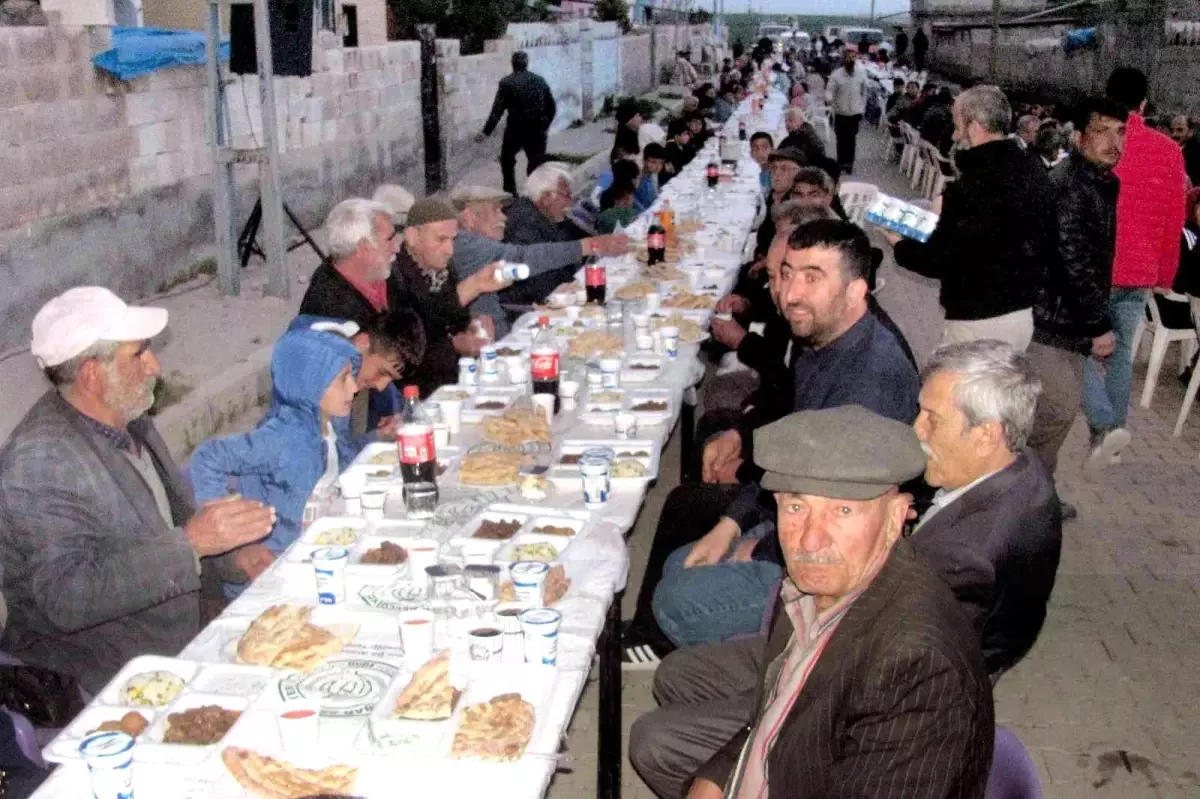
point(1104, 701)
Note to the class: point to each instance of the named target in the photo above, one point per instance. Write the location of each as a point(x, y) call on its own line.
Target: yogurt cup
point(539, 627)
point(489, 361)
point(468, 371)
point(527, 579)
point(329, 569)
point(610, 372)
point(670, 341)
point(109, 758)
point(593, 469)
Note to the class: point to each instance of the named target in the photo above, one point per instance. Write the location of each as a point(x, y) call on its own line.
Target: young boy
point(617, 202)
point(281, 461)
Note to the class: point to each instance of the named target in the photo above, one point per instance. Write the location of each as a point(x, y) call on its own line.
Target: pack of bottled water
point(902, 217)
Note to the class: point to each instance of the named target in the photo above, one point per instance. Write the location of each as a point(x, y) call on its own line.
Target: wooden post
point(431, 124)
point(994, 45)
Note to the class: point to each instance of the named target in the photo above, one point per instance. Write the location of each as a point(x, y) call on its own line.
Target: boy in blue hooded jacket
point(281, 461)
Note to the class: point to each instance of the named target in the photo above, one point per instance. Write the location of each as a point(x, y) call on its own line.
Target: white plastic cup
point(329, 569)
point(581, 297)
point(352, 483)
point(485, 643)
point(478, 552)
point(624, 425)
point(572, 312)
point(300, 725)
point(441, 435)
point(109, 758)
point(433, 410)
point(670, 341)
point(545, 403)
point(641, 322)
point(644, 342)
point(373, 500)
point(422, 553)
point(653, 301)
point(610, 372)
point(468, 371)
point(416, 636)
point(539, 626)
point(518, 373)
point(527, 579)
point(594, 473)
point(489, 361)
point(452, 415)
point(508, 616)
point(568, 389)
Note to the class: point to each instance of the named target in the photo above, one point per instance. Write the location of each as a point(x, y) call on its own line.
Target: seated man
point(101, 546)
point(481, 221)
point(802, 135)
point(538, 216)
point(842, 356)
point(761, 146)
point(422, 270)
point(871, 682)
point(994, 530)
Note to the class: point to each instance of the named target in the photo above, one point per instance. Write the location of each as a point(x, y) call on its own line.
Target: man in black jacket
point(995, 237)
point(1071, 318)
point(539, 216)
point(531, 109)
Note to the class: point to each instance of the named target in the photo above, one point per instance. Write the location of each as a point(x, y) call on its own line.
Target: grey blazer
point(93, 576)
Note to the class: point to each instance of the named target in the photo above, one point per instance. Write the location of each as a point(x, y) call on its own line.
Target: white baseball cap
point(79, 317)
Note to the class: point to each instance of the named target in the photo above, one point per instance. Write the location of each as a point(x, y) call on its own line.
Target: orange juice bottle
point(666, 218)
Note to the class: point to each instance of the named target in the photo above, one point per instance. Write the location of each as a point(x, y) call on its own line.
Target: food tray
point(372, 541)
point(377, 454)
point(233, 679)
point(152, 749)
point(487, 395)
point(112, 694)
point(506, 554)
point(567, 475)
point(453, 391)
point(65, 746)
point(631, 375)
point(637, 396)
point(492, 514)
point(387, 733)
point(345, 686)
point(301, 551)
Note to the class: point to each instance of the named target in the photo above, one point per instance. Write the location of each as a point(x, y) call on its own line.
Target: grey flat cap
point(465, 195)
point(431, 209)
point(844, 453)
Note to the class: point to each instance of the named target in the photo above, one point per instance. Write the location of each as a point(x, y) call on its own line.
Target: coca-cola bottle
point(713, 173)
point(418, 457)
point(656, 244)
point(741, 130)
point(543, 361)
point(595, 279)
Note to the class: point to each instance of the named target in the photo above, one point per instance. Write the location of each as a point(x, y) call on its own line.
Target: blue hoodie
point(281, 460)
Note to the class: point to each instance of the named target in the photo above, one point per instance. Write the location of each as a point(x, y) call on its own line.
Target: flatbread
point(283, 638)
point(496, 731)
point(490, 468)
point(515, 427)
point(269, 778)
point(429, 696)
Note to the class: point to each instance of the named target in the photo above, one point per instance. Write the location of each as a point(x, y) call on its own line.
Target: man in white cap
point(100, 542)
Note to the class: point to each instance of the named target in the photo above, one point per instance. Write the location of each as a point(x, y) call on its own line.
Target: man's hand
point(487, 323)
point(253, 560)
point(756, 267)
point(893, 238)
point(388, 426)
point(226, 524)
point(467, 343)
point(1103, 346)
point(719, 453)
point(482, 282)
point(733, 303)
point(705, 789)
point(710, 549)
point(744, 551)
point(608, 245)
point(728, 332)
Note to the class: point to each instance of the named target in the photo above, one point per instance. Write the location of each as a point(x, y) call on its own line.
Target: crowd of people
point(868, 543)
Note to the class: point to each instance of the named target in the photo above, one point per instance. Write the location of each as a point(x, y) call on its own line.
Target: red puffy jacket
point(1150, 208)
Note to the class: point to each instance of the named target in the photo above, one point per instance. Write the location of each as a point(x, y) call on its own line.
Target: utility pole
point(994, 47)
point(872, 23)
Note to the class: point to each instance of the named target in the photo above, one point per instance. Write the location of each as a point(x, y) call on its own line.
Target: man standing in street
point(531, 108)
point(995, 237)
point(920, 45)
point(1071, 315)
point(1183, 133)
point(901, 43)
point(1150, 216)
point(846, 94)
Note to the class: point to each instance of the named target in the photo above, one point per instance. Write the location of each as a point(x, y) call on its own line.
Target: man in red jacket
point(1150, 216)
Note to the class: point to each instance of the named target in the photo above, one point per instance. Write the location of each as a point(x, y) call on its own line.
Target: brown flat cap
point(428, 210)
point(465, 195)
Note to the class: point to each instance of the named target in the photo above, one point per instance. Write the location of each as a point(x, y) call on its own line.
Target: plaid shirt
point(120, 439)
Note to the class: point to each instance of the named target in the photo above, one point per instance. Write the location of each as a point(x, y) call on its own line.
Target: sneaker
point(1107, 452)
point(639, 657)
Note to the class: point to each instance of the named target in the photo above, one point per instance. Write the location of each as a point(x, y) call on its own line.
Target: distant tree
point(613, 11)
point(472, 22)
point(699, 17)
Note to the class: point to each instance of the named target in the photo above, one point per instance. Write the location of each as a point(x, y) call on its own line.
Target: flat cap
point(792, 154)
point(843, 453)
point(465, 195)
point(431, 209)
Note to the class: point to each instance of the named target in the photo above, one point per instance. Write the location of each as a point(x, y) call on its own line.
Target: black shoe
point(641, 651)
point(1069, 511)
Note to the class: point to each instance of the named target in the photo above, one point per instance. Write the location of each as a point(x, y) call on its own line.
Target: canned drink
point(539, 627)
point(329, 567)
point(109, 758)
point(594, 468)
point(489, 361)
point(527, 579)
point(468, 371)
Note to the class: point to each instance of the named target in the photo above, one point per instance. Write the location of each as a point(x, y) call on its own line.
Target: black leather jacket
point(527, 99)
point(1072, 303)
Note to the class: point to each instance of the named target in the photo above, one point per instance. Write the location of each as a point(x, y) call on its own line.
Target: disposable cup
point(545, 402)
point(508, 616)
point(329, 569)
point(610, 372)
point(568, 389)
point(422, 553)
point(644, 342)
point(485, 643)
point(299, 725)
point(527, 578)
point(352, 483)
point(624, 425)
point(441, 435)
point(670, 341)
point(373, 501)
point(416, 636)
point(452, 415)
point(109, 758)
point(539, 626)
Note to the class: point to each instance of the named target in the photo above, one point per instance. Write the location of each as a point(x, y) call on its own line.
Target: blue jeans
point(706, 604)
point(1106, 389)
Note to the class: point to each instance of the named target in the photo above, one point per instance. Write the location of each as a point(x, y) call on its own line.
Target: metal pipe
point(994, 48)
point(1056, 9)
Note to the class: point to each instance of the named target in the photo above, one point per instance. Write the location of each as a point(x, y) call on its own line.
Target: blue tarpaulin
point(1079, 39)
point(140, 51)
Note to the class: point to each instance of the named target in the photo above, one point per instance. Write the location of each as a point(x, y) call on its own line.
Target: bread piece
point(269, 778)
point(429, 695)
point(497, 731)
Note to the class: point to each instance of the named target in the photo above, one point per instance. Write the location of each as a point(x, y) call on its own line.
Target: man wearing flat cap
point(872, 683)
point(479, 244)
point(422, 270)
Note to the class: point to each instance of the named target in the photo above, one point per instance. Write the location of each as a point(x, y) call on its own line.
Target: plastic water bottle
point(418, 458)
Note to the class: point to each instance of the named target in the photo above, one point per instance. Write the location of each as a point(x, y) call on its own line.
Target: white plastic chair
point(857, 198)
point(908, 156)
point(1189, 397)
point(821, 119)
point(1163, 337)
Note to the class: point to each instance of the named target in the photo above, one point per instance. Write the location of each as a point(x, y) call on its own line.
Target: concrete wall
point(109, 182)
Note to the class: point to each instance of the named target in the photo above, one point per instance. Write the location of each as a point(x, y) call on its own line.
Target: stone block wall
point(637, 76)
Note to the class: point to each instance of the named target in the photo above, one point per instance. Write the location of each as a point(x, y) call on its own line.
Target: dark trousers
point(1061, 400)
point(516, 139)
point(689, 513)
point(845, 132)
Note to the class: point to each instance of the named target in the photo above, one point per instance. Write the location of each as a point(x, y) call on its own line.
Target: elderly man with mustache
point(871, 683)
